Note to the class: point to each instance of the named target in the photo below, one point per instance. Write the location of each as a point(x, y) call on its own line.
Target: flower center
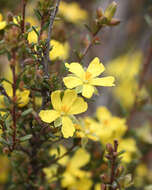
point(64, 109)
point(88, 76)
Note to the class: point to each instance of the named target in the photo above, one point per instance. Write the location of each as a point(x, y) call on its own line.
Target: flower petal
point(76, 68)
point(49, 115)
point(87, 91)
point(76, 162)
point(22, 97)
point(2, 25)
point(56, 99)
point(95, 67)
point(68, 128)
point(72, 82)
point(79, 106)
point(104, 81)
point(68, 98)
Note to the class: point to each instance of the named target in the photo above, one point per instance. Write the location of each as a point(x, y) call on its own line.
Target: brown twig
point(46, 56)
point(113, 167)
point(14, 99)
point(91, 43)
point(23, 16)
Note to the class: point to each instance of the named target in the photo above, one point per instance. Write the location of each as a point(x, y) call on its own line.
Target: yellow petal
point(80, 158)
point(49, 115)
point(22, 97)
point(87, 91)
point(72, 82)
point(95, 67)
point(2, 25)
point(32, 37)
point(79, 106)
point(104, 81)
point(68, 98)
point(67, 127)
point(76, 68)
point(103, 114)
point(59, 50)
point(56, 99)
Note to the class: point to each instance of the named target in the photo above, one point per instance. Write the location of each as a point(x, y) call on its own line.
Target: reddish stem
point(14, 101)
point(23, 16)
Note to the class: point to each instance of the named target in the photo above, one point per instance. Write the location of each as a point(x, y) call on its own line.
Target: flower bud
point(99, 12)
point(110, 10)
point(6, 150)
point(114, 22)
point(103, 187)
point(10, 16)
point(109, 148)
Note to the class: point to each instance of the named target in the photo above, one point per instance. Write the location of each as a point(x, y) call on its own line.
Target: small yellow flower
point(129, 145)
point(126, 69)
point(22, 96)
point(2, 23)
point(87, 79)
point(70, 104)
point(59, 50)
point(72, 12)
point(74, 176)
point(4, 169)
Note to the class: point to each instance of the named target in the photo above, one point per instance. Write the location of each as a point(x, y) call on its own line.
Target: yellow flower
point(129, 145)
point(32, 37)
point(22, 96)
point(115, 127)
point(87, 128)
point(2, 23)
point(4, 169)
point(51, 173)
point(125, 69)
point(105, 130)
point(87, 79)
point(127, 65)
point(2, 104)
point(59, 50)
point(141, 174)
point(72, 12)
point(74, 177)
point(54, 152)
point(70, 105)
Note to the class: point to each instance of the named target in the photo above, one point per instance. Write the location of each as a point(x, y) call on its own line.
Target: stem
point(46, 56)
point(14, 101)
point(23, 16)
point(113, 163)
point(90, 44)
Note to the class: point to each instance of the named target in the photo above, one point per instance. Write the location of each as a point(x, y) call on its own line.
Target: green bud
point(110, 10)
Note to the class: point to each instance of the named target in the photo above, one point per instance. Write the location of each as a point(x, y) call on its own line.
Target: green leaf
point(25, 138)
point(121, 152)
point(3, 141)
point(26, 112)
point(38, 14)
point(35, 30)
point(79, 89)
point(58, 122)
point(84, 142)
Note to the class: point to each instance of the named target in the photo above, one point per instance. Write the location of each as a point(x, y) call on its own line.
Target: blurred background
point(124, 50)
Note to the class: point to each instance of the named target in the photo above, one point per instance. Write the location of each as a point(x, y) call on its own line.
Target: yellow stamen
point(64, 109)
point(88, 76)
